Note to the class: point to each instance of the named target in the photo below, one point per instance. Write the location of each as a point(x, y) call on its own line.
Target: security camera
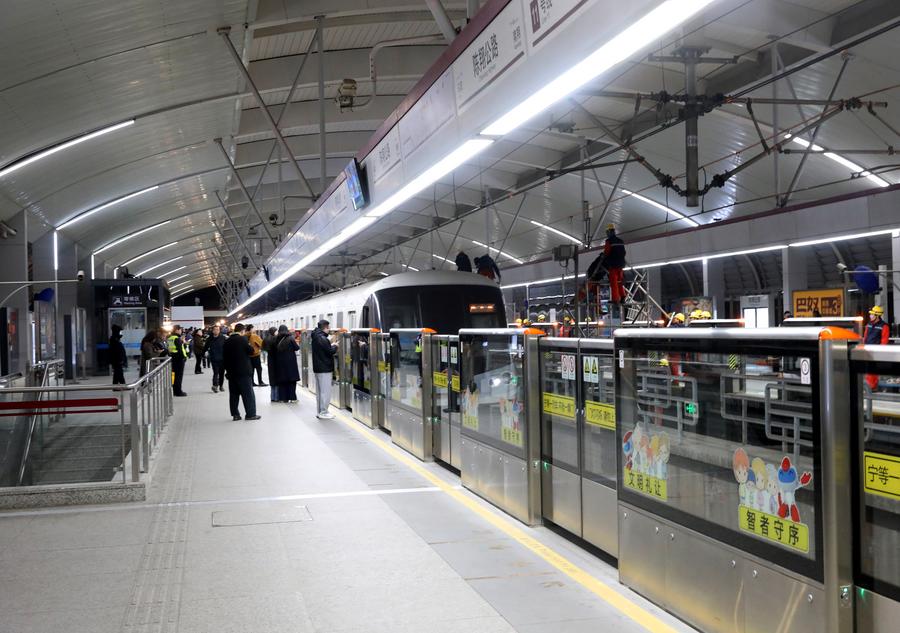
point(841, 266)
point(80, 275)
point(273, 219)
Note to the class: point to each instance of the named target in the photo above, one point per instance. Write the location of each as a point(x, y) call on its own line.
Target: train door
point(445, 399)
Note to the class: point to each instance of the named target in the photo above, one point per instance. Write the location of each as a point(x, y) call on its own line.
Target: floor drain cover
point(234, 518)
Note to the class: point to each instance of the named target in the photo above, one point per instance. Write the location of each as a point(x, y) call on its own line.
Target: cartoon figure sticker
point(469, 407)
point(646, 467)
point(767, 500)
point(510, 421)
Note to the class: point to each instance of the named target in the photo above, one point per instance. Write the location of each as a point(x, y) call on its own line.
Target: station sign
point(385, 156)
point(499, 48)
point(829, 302)
point(126, 301)
point(544, 17)
point(427, 116)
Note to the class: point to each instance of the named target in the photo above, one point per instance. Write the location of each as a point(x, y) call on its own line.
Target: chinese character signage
point(767, 500)
point(829, 303)
point(646, 462)
point(511, 421)
point(881, 474)
point(600, 414)
point(439, 379)
point(545, 16)
point(500, 47)
point(429, 114)
point(562, 406)
point(385, 155)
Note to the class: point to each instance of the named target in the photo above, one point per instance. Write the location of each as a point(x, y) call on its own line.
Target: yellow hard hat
point(696, 314)
point(610, 227)
point(706, 314)
point(679, 316)
point(877, 311)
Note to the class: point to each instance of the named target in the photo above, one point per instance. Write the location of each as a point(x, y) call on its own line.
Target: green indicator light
point(514, 380)
point(690, 408)
point(546, 465)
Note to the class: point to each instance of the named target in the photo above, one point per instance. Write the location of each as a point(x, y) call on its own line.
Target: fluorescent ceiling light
point(748, 251)
point(183, 284)
point(174, 279)
point(571, 238)
point(548, 280)
point(55, 250)
point(174, 270)
point(408, 267)
point(129, 236)
point(840, 238)
point(58, 148)
point(168, 261)
point(491, 248)
point(443, 259)
point(840, 160)
point(466, 151)
point(79, 218)
point(92, 266)
point(661, 207)
point(647, 30)
point(150, 252)
point(384, 274)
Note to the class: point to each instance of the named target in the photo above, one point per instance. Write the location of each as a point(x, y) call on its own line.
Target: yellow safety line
point(628, 608)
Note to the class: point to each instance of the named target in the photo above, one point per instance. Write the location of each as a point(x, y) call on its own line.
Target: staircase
point(78, 454)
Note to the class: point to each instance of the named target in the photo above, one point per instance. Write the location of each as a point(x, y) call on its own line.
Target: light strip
point(174, 279)
point(413, 268)
point(840, 160)
point(155, 250)
point(748, 251)
point(58, 148)
point(443, 259)
point(491, 248)
point(174, 270)
point(79, 218)
point(841, 238)
point(536, 282)
point(183, 284)
point(92, 266)
point(466, 151)
point(384, 274)
point(129, 236)
point(647, 30)
point(55, 250)
point(571, 238)
point(168, 261)
point(661, 207)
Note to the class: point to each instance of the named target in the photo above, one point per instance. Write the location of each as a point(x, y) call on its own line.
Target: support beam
point(238, 233)
point(794, 275)
point(320, 44)
point(240, 181)
point(442, 19)
point(224, 33)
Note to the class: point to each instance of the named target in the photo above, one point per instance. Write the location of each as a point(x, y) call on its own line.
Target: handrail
point(110, 387)
point(48, 367)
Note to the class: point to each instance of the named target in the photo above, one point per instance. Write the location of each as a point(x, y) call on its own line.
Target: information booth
point(732, 468)
point(409, 397)
point(499, 411)
point(875, 380)
point(578, 438)
point(443, 360)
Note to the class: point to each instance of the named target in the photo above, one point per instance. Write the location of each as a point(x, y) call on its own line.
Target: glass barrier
point(723, 438)
point(598, 388)
point(406, 369)
point(560, 405)
point(492, 397)
point(359, 360)
point(876, 386)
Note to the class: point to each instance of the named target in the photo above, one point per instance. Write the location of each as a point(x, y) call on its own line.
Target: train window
point(399, 308)
point(726, 444)
point(444, 308)
point(365, 317)
point(351, 320)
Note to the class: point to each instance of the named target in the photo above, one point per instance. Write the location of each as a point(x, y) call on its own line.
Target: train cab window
point(399, 308)
point(365, 317)
point(351, 320)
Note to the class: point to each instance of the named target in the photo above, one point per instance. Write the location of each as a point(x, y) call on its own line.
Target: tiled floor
point(287, 524)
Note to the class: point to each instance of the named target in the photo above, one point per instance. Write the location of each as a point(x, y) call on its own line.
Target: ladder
point(637, 305)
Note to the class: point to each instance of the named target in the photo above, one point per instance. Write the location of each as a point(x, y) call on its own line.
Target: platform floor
point(297, 524)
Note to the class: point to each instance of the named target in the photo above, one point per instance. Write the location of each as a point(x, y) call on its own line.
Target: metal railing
point(142, 407)
point(41, 375)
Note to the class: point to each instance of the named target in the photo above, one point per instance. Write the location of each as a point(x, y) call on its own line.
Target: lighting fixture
point(413, 268)
point(840, 160)
point(748, 251)
point(174, 270)
point(661, 207)
point(537, 282)
point(150, 252)
point(647, 30)
point(168, 261)
point(92, 266)
point(466, 151)
point(183, 284)
point(841, 238)
point(79, 218)
point(129, 236)
point(55, 250)
point(58, 148)
point(174, 279)
point(384, 274)
point(443, 259)
point(491, 248)
point(571, 238)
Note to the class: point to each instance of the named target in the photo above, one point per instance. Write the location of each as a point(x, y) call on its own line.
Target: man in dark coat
point(323, 352)
point(463, 263)
point(117, 355)
point(270, 349)
point(236, 353)
point(215, 345)
point(287, 372)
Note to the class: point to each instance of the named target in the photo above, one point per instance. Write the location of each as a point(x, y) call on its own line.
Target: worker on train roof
point(696, 314)
point(706, 315)
point(677, 320)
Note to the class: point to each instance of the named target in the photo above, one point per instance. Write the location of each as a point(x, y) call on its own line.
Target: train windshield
point(446, 309)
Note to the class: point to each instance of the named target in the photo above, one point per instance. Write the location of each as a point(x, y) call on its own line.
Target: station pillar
point(714, 285)
point(794, 276)
point(13, 299)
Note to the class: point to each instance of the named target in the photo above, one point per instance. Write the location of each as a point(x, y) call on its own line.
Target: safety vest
point(173, 344)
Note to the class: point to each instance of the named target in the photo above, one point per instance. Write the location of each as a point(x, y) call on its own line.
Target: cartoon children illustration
point(661, 453)
point(638, 438)
point(771, 489)
point(758, 467)
point(628, 449)
point(788, 484)
point(740, 464)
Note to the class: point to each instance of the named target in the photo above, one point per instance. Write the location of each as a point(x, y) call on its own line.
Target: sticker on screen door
point(768, 507)
point(646, 462)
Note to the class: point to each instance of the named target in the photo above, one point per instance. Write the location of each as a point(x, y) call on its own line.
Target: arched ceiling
point(74, 67)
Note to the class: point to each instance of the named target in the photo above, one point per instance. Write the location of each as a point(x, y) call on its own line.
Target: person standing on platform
point(236, 353)
point(117, 355)
point(148, 351)
point(198, 341)
point(215, 345)
point(269, 347)
point(877, 333)
point(323, 352)
point(256, 357)
point(287, 372)
point(178, 353)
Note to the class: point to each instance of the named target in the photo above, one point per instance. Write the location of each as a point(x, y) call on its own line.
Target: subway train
point(445, 301)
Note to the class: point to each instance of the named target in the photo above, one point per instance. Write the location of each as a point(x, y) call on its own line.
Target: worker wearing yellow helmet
point(877, 333)
point(541, 317)
point(696, 314)
point(706, 315)
point(677, 320)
